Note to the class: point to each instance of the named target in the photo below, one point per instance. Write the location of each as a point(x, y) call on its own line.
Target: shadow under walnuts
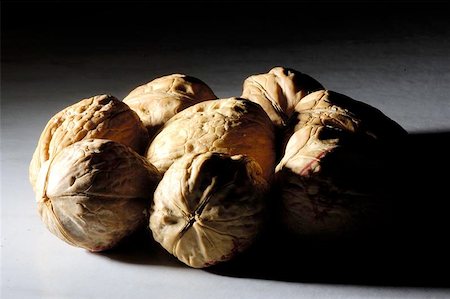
point(140, 248)
point(408, 248)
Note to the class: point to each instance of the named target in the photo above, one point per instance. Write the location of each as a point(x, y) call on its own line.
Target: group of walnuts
point(201, 171)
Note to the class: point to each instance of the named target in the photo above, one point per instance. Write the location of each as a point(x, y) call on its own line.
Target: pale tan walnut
point(331, 176)
point(279, 91)
point(95, 192)
point(157, 101)
point(232, 126)
point(208, 207)
point(102, 116)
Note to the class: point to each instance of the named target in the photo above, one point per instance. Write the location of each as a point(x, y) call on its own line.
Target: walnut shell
point(103, 117)
point(279, 91)
point(95, 192)
point(232, 126)
point(207, 208)
point(331, 175)
point(157, 101)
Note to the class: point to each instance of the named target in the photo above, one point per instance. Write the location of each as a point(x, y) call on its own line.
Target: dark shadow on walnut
point(410, 249)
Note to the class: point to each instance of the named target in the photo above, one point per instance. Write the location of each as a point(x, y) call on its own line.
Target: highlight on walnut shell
point(208, 207)
point(232, 126)
point(102, 117)
point(95, 192)
point(157, 101)
point(279, 91)
point(332, 173)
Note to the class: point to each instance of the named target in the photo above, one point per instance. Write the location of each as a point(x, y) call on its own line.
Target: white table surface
point(406, 74)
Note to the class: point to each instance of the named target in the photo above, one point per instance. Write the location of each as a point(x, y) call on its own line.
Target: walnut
point(95, 192)
point(101, 116)
point(157, 101)
point(279, 91)
point(330, 176)
point(231, 126)
point(208, 207)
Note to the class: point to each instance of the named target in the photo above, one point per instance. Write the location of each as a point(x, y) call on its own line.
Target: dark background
point(382, 53)
point(392, 55)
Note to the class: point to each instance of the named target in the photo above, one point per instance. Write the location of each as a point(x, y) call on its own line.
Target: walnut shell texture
point(157, 101)
point(279, 91)
point(208, 207)
point(101, 117)
point(232, 126)
point(95, 192)
point(330, 176)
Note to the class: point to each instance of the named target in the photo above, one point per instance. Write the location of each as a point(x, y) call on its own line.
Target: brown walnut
point(157, 101)
point(95, 192)
point(208, 207)
point(232, 126)
point(279, 91)
point(331, 175)
point(103, 117)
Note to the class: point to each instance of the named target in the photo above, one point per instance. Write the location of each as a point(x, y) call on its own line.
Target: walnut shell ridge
point(95, 192)
point(208, 207)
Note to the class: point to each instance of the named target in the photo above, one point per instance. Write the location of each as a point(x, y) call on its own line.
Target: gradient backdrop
point(392, 56)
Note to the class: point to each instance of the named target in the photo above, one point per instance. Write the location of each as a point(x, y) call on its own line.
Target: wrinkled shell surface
point(330, 176)
point(102, 117)
point(208, 207)
point(95, 192)
point(157, 101)
point(279, 91)
point(232, 126)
